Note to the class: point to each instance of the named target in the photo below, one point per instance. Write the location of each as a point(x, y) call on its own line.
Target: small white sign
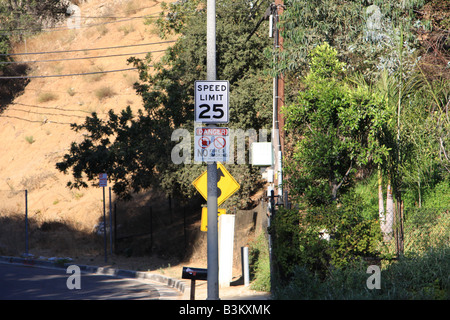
point(103, 180)
point(262, 154)
point(212, 101)
point(211, 144)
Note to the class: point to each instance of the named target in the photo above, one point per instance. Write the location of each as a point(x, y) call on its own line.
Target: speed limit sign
point(211, 101)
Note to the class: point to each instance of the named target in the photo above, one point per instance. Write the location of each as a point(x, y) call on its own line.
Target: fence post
point(151, 229)
point(26, 222)
point(399, 228)
point(273, 269)
point(184, 228)
point(110, 224)
point(104, 226)
point(115, 228)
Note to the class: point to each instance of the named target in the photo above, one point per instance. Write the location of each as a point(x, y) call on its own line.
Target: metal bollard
point(245, 266)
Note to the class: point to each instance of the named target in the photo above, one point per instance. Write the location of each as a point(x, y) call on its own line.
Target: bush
point(259, 261)
point(47, 96)
point(298, 240)
point(414, 278)
point(29, 139)
point(419, 277)
point(104, 92)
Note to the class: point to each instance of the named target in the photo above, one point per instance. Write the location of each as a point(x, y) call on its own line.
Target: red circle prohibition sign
point(204, 142)
point(220, 142)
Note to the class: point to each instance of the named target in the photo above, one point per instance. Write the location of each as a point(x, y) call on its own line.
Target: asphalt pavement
point(27, 282)
point(33, 279)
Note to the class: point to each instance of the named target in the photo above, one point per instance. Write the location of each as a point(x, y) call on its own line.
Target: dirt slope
point(35, 129)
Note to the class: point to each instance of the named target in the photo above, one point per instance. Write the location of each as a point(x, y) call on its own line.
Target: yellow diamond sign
point(226, 184)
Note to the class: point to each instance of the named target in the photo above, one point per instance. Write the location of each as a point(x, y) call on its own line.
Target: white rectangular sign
point(211, 144)
point(212, 101)
point(103, 179)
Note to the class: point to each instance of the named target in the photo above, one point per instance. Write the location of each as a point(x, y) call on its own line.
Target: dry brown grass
point(46, 97)
point(104, 92)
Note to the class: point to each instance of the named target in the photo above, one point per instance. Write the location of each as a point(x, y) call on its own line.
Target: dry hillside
point(35, 129)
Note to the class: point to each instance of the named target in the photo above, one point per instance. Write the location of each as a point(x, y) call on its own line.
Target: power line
point(48, 114)
point(35, 121)
point(81, 58)
point(75, 92)
point(48, 108)
point(67, 75)
point(101, 17)
point(53, 29)
point(91, 49)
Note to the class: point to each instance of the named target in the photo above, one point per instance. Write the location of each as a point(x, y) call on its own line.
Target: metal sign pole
point(26, 222)
point(104, 223)
point(212, 235)
point(110, 224)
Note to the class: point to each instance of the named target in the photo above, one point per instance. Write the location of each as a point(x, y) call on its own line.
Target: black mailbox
point(195, 273)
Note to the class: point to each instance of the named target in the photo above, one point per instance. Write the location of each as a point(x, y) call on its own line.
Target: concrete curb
point(172, 283)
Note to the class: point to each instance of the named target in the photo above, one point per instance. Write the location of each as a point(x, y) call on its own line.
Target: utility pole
point(212, 233)
point(278, 100)
point(280, 85)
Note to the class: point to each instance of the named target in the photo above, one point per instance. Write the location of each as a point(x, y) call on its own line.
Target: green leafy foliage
point(259, 262)
point(322, 238)
point(415, 278)
point(339, 126)
point(363, 32)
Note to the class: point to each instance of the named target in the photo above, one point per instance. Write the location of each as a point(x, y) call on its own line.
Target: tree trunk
point(388, 230)
point(381, 214)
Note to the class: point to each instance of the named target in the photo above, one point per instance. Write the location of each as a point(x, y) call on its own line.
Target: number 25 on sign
point(211, 101)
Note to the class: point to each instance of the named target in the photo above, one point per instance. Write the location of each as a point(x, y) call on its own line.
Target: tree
point(338, 128)
point(18, 20)
point(362, 32)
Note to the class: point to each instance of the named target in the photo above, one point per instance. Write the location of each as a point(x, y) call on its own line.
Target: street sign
point(212, 101)
point(103, 179)
point(211, 144)
point(204, 221)
point(226, 184)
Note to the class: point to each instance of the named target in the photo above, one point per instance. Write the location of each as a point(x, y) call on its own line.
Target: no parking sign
point(211, 144)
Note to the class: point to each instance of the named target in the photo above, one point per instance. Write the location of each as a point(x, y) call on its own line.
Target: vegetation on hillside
point(367, 102)
point(20, 19)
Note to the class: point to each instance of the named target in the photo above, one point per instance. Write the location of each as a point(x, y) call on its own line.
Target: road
point(18, 282)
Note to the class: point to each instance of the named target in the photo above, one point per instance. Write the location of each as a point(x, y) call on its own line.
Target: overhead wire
point(66, 75)
point(35, 121)
point(49, 29)
point(87, 49)
point(48, 108)
point(53, 29)
point(80, 58)
point(101, 17)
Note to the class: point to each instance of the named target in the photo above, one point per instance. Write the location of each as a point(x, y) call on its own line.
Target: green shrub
point(29, 139)
point(298, 241)
point(259, 261)
point(422, 277)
